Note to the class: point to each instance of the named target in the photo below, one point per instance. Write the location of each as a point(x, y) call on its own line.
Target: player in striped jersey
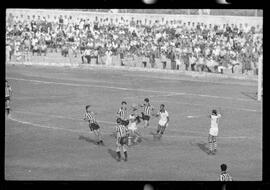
point(224, 176)
point(93, 125)
point(121, 139)
point(147, 107)
point(163, 121)
point(213, 132)
point(8, 93)
point(122, 113)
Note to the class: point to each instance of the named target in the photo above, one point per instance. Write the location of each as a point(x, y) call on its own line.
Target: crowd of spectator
point(197, 46)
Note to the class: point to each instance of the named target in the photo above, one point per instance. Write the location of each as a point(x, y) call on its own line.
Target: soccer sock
point(118, 154)
point(125, 153)
point(215, 145)
point(211, 146)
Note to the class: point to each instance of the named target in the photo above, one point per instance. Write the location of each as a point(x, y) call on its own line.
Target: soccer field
point(47, 139)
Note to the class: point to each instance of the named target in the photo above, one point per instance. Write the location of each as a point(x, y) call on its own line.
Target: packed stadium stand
point(189, 39)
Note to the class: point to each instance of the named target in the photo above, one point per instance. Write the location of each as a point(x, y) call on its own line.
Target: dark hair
point(146, 99)
point(223, 167)
point(119, 120)
point(124, 102)
point(162, 105)
point(214, 112)
point(86, 107)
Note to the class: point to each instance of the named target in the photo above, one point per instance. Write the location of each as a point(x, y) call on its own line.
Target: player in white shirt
point(163, 121)
point(213, 132)
point(134, 119)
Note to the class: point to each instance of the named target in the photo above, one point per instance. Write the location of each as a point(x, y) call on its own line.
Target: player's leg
point(158, 129)
point(215, 144)
point(130, 137)
point(162, 129)
point(118, 149)
point(124, 147)
point(100, 141)
point(210, 142)
point(8, 105)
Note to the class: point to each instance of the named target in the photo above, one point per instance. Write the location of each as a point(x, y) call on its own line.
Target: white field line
point(195, 80)
point(107, 133)
point(131, 89)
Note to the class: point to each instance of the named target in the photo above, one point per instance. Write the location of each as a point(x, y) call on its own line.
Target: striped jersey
point(122, 113)
point(90, 117)
point(224, 176)
point(8, 91)
point(147, 108)
point(121, 131)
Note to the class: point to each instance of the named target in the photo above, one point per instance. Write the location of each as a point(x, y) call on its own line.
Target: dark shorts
point(8, 98)
point(93, 126)
point(125, 122)
point(145, 117)
point(123, 141)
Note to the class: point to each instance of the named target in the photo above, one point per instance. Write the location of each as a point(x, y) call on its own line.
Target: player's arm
point(156, 114)
point(85, 118)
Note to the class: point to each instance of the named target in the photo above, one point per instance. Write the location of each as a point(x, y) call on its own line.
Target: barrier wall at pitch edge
point(76, 15)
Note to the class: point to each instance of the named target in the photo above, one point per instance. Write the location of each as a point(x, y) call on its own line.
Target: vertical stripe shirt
point(121, 131)
point(147, 109)
point(89, 116)
point(224, 176)
point(122, 113)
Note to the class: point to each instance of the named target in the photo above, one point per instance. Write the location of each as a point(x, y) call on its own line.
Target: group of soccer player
point(126, 131)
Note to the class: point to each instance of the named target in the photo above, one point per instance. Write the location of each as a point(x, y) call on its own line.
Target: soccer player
point(163, 121)
point(93, 125)
point(134, 119)
point(8, 93)
point(147, 107)
point(224, 176)
point(121, 139)
point(213, 132)
point(122, 113)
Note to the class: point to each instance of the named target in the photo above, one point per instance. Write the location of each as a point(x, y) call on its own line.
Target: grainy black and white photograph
point(133, 94)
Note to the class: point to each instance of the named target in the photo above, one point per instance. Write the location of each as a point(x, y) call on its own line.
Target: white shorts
point(132, 127)
point(162, 123)
point(213, 131)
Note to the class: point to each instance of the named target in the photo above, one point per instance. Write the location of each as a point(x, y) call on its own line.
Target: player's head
point(223, 167)
point(214, 112)
point(146, 100)
point(119, 121)
point(124, 103)
point(87, 108)
point(162, 107)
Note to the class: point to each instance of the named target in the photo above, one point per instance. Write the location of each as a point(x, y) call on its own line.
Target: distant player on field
point(93, 125)
point(8, 93)
point(213, 132)
point(147, 107)
point(122, 113)
point(224, 176)
point(121, 139)
point(163, 121)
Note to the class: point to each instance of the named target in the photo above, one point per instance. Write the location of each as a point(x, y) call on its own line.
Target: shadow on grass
point(112, 153)
point(87, 139)
point(203, 146)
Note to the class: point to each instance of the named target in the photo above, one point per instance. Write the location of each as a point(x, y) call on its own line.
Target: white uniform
point(132, 124)
point(163, 118)
point(214, 125)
